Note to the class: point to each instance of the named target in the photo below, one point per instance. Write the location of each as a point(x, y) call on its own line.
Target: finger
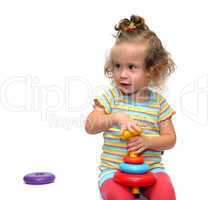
point(134, 138)
point(132, 144)
point(123, 128)
point(133, 148)
point(137, 128)
point(130, 128)
point(140, 150)
point(136, 147)
point(134, 141)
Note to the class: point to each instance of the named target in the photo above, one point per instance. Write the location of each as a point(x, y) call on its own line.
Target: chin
point(127, 92)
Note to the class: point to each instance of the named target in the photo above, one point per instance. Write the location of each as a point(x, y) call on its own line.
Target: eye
point(131, 66)
point(117, 65)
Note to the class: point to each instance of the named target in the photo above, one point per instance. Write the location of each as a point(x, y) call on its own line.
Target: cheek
point(116, 74)
point(140, 77)
point(115, 77)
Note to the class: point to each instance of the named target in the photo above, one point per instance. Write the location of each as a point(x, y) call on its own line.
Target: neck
point(141, 95)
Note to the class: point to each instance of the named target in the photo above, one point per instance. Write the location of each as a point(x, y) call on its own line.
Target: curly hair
point(158, 63)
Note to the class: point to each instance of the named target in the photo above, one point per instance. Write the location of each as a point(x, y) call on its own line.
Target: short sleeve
point(166, 111)
point(105, 100)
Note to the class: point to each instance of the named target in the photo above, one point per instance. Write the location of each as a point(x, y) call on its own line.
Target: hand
point(127, 123)
point(138, 144)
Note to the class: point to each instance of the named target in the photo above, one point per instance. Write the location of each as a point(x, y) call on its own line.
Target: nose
point(124, 73)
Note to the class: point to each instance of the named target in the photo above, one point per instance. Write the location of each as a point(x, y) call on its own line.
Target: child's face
point(129, 72)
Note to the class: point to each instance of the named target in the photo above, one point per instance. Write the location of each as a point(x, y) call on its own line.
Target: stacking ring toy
point(134, 172)
point(134, 169)
point(39, 178)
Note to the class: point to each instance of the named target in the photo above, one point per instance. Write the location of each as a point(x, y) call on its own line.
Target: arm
point(167, 138)
point(98, 120)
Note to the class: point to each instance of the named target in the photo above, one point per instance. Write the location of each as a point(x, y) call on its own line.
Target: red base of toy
point(134, 180)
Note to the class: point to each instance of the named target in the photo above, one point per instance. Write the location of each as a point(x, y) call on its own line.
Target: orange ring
point(137, 160)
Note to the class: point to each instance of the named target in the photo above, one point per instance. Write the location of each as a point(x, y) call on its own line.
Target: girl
point(137, 62)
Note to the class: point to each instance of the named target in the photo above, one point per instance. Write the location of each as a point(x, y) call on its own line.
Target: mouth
point(126, 85)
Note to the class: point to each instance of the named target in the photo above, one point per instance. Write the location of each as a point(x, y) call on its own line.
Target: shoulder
point(112, 93)
point(158, 97)
point(106, 98)
point(165, 109)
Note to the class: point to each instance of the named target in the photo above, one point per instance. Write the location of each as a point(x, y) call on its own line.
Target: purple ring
point(39, 178)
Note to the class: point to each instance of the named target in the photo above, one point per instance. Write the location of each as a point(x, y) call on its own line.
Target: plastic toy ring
point(39, 178)
point(134, 169)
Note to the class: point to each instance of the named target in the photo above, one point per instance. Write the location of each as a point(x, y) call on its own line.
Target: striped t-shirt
point(147, 114)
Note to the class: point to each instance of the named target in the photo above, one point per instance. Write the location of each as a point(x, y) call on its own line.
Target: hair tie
point(131, 28)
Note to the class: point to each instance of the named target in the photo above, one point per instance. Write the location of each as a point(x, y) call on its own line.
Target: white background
point(51, 65)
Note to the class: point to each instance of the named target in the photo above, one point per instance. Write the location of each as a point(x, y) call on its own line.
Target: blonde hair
point(158, 63)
